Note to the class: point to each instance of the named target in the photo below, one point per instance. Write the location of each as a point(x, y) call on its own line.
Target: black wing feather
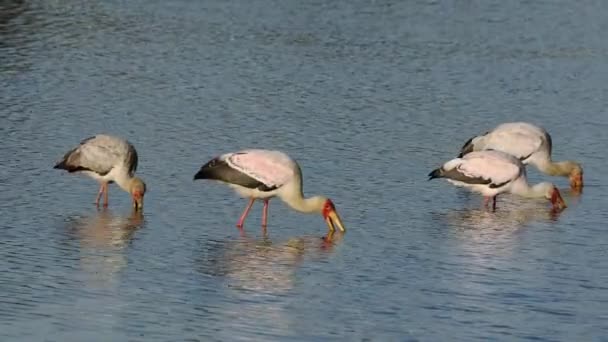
point(455, 174)
point(466, 148)
point(217, 169)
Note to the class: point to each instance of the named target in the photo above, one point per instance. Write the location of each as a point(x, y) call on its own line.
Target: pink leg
point(245, 213)
point(265, 214)
point(494, 203)
point(486, 201)
point(105, 195)
point(101, 188)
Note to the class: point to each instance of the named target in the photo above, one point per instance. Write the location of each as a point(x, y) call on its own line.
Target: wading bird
point(529, 143)
point(263, 174)
point(493, 172)
point(107, 159)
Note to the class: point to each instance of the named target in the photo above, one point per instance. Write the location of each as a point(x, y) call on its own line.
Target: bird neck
point(564, 168)
point(294, 197)
point(306, 205)
point(123, 180)
point(522, 188)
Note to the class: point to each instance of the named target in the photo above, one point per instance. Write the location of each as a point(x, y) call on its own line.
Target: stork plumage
point(492, 173)
point(106, 159)
point(264, 174)
point(529, 143)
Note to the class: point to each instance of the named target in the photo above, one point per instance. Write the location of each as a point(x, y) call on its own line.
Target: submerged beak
point(138, 202)
point(333, 219)
point(576, 181)
point(557, 201)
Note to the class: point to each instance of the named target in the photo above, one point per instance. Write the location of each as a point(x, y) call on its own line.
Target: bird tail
point(201, 174)
point(468, 147)
point(206, 171)
point(64, 165)
point(437, 173)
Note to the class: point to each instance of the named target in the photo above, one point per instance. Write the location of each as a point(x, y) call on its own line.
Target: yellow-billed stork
point(491, 173)
point(530, 144)
point(264, 174)
point(106, 159)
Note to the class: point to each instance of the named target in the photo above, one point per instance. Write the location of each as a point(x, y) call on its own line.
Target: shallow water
point(368, 96)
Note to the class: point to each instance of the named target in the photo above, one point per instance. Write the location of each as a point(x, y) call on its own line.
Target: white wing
point(492, 168)
point(100, 154)
point(518, 139)
point(273, 168)
point(495, 166)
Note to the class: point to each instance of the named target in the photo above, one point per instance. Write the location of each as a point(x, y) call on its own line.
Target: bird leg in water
point(101, 189)
point(265, 214)
point(245, 213)
point(105, 195)
point(486, 201)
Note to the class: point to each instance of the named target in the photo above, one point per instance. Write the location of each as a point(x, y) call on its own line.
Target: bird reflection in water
point(256, 273)
point(485, 249)
point(485, 231)
point(103, 237)
point(262, 265)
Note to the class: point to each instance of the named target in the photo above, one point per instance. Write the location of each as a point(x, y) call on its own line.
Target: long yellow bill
point(333, 220)
point(138, 203)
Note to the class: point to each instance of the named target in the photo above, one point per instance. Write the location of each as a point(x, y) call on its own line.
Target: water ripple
point(368, 96)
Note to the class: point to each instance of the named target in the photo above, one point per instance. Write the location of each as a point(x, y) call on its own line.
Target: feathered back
point(100, 154)
point(273, 168)
point(490, 167)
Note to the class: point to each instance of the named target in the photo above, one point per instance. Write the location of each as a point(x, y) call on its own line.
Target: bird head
point(576, 178)
point(556, 199)
point(331, 216)
point(137, 189)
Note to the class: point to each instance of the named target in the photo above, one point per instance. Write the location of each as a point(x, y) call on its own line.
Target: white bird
point(493, 172)
point(529, 143)
point(264, 174)
point(107, 159)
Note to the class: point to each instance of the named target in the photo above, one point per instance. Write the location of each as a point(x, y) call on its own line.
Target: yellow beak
point(138, 203)
point(332, 220)
point(576, 181)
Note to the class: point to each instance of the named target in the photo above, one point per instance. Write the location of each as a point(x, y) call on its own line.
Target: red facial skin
point(556, 200)
point(328, 207)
